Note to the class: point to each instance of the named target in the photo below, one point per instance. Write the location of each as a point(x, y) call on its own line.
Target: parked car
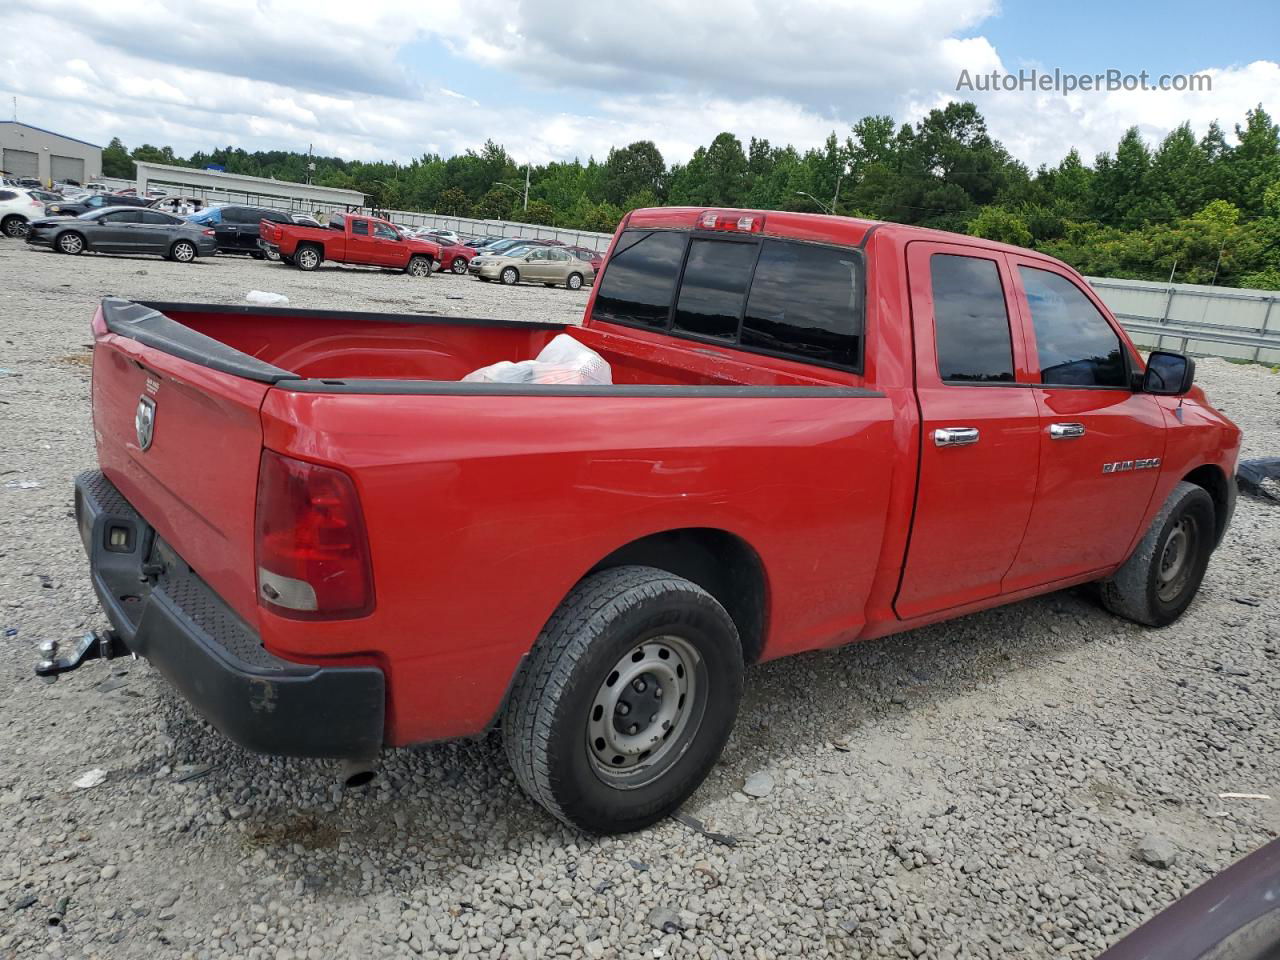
point(18, 207)
point(179, 206)
point(30, 183)
point(305, 220)
point(238, 228)
point(351, 238)
point(125, 229)
point(478, 242)
point(97, 187)
point(818, 431)
point(593, 257)
point(96, 201)
point(506, 244)
point(447, 237)
point(46, 196)
point(455, 257)
point(553, 266)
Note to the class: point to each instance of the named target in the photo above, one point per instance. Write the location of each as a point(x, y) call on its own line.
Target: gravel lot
point(980, 788)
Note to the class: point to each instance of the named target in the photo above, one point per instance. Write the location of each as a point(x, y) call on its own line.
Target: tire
point(15, 227)
point(183, 251)
point(1159, 581)
point(459, 265)
point(272, 255)
point(573, 281)
point(510, 276)
point(418, 267)
point(69, 242)
point(563, 706)
point(307, 258)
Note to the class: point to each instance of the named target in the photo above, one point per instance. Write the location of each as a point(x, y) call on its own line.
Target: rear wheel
point(1159, 581)
point(307, 258)
point(70, 242)
point(574, 282)
point(15, 226)
point(510, 276)
point(459, 265)
point(419, 267)
point(626, 700)
point(184, 251)
point(272, 254)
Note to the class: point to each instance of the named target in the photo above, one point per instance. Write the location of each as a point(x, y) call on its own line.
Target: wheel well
point(1214, 481)
point(721, 563)
point(12, 216)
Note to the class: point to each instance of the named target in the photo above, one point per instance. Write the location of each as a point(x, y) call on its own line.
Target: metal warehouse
point(27, 151)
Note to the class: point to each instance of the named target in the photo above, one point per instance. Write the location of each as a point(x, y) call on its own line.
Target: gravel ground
point(980, 788)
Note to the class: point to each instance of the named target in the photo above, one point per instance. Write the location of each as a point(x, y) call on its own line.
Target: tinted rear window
point(641, 278)
point(8, 195)
point(716, 274)
point(971, 320)
point(806, 301)
point(360, 227)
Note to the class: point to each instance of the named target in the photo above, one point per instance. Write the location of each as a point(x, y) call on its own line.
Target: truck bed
point(352, 347)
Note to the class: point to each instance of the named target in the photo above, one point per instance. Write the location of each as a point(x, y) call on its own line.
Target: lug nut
point(623, 708)
point(633, 729)
point(638, 685)
point(657, 692)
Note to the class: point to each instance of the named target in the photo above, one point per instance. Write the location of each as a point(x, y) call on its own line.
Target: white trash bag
point(562, 361)
point(264, 298)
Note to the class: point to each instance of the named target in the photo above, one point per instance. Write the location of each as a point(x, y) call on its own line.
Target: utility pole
point(15, 109)
point(836, 198)
point(526, 187)
point(311, 167)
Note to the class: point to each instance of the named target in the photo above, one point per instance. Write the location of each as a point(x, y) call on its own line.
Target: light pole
point(825, 208)
point(516, 190)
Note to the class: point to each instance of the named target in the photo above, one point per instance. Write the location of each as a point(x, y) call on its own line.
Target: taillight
point(208, 233)
point(312, 552)
point(738, 222)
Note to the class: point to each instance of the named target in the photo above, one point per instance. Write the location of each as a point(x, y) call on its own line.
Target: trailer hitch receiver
point(101, 645)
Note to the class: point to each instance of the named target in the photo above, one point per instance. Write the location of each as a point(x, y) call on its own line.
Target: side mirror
point(1168, 374)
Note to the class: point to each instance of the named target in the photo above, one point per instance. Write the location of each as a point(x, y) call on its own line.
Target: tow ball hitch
point(101, 645)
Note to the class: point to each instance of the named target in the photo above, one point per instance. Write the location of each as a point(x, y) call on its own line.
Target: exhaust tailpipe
point(357, 772)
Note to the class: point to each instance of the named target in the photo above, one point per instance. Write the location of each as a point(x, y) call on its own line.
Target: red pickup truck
point(820, 430)
point(350, 238)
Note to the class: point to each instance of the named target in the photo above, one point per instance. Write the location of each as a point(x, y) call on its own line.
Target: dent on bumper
point(214, 658)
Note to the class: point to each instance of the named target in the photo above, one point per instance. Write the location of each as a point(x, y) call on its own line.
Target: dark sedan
point(96, 201)
point(125, 230)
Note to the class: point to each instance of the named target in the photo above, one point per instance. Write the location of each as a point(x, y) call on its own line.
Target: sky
point(559, 79)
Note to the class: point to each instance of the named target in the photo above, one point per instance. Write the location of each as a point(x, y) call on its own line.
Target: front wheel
point(15, 227)
point(71, 243)
point(510, 276)
point(1159, 581)
point(459, 265)
point(419, 267)
point(626, 700)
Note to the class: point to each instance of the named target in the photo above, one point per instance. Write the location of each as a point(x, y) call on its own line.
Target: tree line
point(1200, 209)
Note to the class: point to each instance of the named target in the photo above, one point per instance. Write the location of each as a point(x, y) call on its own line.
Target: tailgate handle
point(1065, 431)
point(955, 436)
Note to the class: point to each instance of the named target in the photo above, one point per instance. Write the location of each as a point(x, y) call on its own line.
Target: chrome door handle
point(955, 436)
point(1065, 431)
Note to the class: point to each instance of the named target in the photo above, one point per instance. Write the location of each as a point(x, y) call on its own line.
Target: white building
point(27, 151)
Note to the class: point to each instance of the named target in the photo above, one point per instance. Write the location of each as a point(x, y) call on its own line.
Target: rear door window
point(360, 227)
point(1076, 345)
point(641, 278)
point(806, 302)
point(971, 320)
point(157, 218)
point(716, 275)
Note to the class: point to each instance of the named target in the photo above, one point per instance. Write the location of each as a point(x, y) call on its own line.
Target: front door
point(361, 247)
point(1101, 441)
point(387, 247)
point(979, 429)
point(116, 230)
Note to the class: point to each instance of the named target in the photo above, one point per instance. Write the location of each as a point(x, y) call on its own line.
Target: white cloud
point(282, 74)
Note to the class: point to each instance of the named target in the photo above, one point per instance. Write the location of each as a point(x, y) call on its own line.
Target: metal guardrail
point(1260, 339)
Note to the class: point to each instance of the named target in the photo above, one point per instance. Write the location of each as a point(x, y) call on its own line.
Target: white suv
point(17, 208)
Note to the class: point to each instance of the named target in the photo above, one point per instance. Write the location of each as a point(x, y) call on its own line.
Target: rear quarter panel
point(483, 511)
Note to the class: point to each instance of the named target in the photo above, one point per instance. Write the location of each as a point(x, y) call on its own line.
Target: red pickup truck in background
point(350, 238)
point(820, 430)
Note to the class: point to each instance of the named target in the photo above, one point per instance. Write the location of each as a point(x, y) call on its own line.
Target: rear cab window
point(787, 298)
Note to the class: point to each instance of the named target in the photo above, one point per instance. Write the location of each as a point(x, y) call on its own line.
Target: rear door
point(153, 233)
point(979, 432)
point(1100, 440)
point(227, 229)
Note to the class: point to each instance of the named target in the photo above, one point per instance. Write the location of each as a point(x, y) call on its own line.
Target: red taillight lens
point(208, 233)
point(312, 551)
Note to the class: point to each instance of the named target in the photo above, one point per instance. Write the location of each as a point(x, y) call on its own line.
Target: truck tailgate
point(195, 479)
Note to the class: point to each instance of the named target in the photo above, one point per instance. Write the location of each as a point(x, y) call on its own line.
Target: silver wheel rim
point(419, 268)
point(17, 228)
point(459, 265)
point(1177, 559)
point(183, 252)
point(508, 275)
point(273, 255)
point(71, 243)
point(646, 711)
point(575, 282)
point(308, 259)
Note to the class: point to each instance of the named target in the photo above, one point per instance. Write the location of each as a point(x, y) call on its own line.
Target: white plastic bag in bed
point(562, 361)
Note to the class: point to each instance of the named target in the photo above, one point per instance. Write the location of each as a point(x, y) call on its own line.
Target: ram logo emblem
point(1124, 466)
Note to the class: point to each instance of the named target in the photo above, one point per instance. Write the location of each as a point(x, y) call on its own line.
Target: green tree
point(997, 223)
point(1254, 164)
point(116, 161)
point(636, 167)
point(454, 202)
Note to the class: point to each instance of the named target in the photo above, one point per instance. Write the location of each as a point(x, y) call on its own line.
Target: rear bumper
point(211, 656)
